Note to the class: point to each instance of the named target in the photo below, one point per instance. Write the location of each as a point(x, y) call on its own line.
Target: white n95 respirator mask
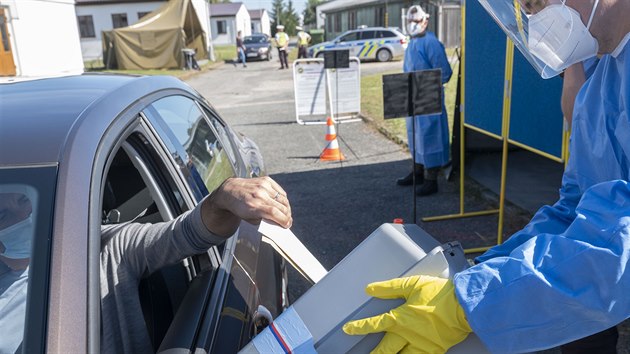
point(558, 37)
point(17, 239)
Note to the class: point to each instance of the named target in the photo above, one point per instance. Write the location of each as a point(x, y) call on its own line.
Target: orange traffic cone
point(331, 151)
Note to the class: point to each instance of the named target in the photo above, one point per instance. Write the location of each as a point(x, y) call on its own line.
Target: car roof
point(372, 29)
point(38, 117)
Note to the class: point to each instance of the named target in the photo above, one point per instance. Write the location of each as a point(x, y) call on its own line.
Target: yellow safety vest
point(282, 39)
point(303, 38)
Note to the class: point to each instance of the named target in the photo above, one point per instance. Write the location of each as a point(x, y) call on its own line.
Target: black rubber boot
point(430, 186)
point(408, 179)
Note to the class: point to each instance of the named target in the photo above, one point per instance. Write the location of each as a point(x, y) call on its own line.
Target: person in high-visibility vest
point(282, 42)
point(303, 40)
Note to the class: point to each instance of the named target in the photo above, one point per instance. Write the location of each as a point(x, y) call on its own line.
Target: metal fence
point(446, 23)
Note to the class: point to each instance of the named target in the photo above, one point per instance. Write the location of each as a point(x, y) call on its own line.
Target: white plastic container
point(391, 251)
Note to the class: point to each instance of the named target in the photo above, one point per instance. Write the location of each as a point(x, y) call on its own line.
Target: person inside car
point(128, 252)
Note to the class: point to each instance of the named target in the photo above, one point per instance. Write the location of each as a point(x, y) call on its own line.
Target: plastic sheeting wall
point(535, 115)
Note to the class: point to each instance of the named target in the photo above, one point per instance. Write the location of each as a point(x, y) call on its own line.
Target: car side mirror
point(337, 41)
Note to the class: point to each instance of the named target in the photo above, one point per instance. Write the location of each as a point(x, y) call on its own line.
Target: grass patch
point(179, 73)
point(224, 52)
point(372, 103)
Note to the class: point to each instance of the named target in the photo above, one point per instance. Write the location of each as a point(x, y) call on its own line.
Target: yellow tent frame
point(504, 137)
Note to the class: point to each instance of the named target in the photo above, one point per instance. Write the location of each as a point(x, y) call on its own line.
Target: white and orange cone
point(331, 152)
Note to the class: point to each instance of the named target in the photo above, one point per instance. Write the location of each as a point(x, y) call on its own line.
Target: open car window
point(138, 188)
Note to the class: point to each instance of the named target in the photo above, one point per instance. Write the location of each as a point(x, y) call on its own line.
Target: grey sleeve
point(149, 247)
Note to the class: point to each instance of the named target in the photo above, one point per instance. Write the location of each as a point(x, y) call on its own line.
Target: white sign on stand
point(320, 93)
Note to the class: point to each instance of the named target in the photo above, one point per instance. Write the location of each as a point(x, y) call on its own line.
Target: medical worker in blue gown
point(565, 275)
point(431, 142)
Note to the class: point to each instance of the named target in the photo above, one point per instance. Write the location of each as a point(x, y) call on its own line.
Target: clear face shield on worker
point(549, 33)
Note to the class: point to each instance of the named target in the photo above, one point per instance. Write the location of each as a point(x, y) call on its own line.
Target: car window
point(254, 39)
point(222, 133)
point(207, 154)
point(386, 34)
point(368, 34)
point(138, 187)
point(352, 36)
point(25, 235)
point(129, 193)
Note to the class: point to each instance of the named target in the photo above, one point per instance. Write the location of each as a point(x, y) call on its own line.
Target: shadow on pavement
point(321, 210)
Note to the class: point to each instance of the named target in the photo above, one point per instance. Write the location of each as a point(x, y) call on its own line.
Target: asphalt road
point(336, 205)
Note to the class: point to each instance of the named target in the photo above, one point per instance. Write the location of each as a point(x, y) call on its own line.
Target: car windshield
point(25, 232)
point(255, 39)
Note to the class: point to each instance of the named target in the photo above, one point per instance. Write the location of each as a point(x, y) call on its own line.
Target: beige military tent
point(158, 40)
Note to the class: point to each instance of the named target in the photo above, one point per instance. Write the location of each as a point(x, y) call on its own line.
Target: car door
point(369, 45)
point(142, 183)
point(233, 306)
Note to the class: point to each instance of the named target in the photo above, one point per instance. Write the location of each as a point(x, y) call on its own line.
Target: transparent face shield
point(513, 16)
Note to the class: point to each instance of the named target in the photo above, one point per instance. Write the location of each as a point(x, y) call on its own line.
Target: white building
point(260, 21)
point(227, 19)
point(39, 38)
point(96, 16)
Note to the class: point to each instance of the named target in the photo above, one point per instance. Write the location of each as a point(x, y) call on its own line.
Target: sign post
point(317, 92)
point(409, 95)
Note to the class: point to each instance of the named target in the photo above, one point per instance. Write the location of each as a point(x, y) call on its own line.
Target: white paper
point(290, 247)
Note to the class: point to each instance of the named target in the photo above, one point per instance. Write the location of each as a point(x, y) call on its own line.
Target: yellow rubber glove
point(430, 321)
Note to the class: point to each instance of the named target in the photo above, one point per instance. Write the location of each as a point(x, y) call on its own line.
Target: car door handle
point(262, 318)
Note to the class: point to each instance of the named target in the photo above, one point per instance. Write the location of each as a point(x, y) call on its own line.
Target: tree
point(277, 10)
point(284, 15)
point(310, 14)
point(290, 19)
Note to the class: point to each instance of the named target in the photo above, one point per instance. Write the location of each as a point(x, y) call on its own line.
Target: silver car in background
point(369, 43)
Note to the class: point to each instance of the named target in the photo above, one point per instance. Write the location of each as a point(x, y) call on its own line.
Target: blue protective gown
point(565, 275)
point(431, 143)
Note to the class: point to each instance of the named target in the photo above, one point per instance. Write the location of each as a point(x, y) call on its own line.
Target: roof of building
point(256, 14)
point(225, 9)
point(108, 2)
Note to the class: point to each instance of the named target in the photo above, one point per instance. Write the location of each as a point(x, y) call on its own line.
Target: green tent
point(158, 40)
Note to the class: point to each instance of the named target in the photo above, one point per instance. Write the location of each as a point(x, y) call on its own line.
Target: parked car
point(369, 43)
point(258, 46)
point(94, 149)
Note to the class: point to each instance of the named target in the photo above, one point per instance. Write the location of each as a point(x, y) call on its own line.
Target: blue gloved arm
point(547, 220)
point(555, 288)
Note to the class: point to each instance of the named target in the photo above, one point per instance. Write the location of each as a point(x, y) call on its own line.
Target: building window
point(379, 16)
point(86, 26)
point(337, 22)
point(141, 14)
point(352, 20)
point(119, 20)
point(222, 27)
